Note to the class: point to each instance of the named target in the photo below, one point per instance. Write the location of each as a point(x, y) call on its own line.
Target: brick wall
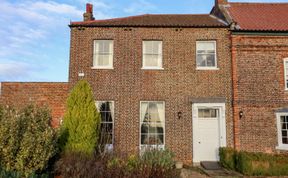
point(127, 84)
point(258, 82)
point(20, 94)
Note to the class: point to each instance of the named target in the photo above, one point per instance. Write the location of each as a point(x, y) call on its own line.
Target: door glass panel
point(208, 113)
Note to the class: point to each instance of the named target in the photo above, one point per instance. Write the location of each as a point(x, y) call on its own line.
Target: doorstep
point(214, 169)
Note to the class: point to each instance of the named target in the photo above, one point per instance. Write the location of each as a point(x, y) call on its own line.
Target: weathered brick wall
point(127, 84)
point(259, 89)
point(50, 94)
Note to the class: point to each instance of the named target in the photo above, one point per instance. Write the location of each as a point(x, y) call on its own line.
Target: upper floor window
point(103, 54)
point(152, 55)
point(152, 124)
point(106, 110)
point(286, 73)
point(282, 128)
point(206, 55)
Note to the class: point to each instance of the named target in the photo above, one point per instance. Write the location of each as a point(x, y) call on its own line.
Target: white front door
point(209, 131)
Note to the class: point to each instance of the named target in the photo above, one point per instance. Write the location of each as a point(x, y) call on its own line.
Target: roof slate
point(157, 20)
point(259, 16)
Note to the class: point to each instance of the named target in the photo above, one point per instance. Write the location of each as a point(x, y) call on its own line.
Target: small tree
point(81, 123)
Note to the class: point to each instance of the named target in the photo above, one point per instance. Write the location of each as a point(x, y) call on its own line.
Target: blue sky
point(34, 35)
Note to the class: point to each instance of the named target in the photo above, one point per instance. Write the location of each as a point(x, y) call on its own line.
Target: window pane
point(102, 59)
point(205, 46)
point(284, 125)
point(205, 60)
point(201, 60)
point(106, 47)
point(285, 140)
point(210, 60)
point(144, 128)
point(151, 60)
point(155, 139)
point(282, 119)
point(147, 47)
point(109, 117)
point(157, 47)
point(156, 128)
point(144, 139)
point(107, 127)
point(155, 112)
point(103, 116)
point(284, 133)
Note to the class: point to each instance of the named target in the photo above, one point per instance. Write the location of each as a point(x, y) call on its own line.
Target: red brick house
point(158, 80)
point(190, 83)
point(259, 46)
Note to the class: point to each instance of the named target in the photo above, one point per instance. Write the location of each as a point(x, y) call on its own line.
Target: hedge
point(258, 164)
point(227, 158)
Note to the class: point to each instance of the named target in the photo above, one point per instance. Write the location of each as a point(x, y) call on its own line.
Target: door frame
point(222, 124)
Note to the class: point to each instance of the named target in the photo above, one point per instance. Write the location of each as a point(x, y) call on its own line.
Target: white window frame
point(285, 73)
point(95, 66)
point(215, 53)
point(280, 145)
point(161, 59)
point(108, 146)
point(142, 148)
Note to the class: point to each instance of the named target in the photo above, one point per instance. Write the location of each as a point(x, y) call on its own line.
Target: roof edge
point(148, 26)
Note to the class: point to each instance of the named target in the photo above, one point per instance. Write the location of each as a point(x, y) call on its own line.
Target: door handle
point(199, 142)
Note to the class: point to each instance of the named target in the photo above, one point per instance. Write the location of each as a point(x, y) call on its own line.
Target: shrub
point(1, 112)
point(227, 157)
point(10, 135)
point(76, 165)
point(80, 131)
point(15, 174)
point(161, 158)
point(27, 140)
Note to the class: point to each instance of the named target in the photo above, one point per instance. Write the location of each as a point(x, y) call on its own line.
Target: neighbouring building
point(259, 38)
point(190, 83)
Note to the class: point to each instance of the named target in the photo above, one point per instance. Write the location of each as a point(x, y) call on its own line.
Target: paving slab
point(191, 173)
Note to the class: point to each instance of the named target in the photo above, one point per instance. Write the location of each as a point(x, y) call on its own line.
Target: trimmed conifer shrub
point(81, 124)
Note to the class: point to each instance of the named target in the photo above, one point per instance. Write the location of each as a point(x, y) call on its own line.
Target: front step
point(210, 165)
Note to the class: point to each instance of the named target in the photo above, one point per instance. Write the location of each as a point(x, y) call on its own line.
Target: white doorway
point(209, 131)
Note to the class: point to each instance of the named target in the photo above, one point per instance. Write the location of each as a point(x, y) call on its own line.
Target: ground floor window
point(152, 124)
point(282, 128)
point(106, 110)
